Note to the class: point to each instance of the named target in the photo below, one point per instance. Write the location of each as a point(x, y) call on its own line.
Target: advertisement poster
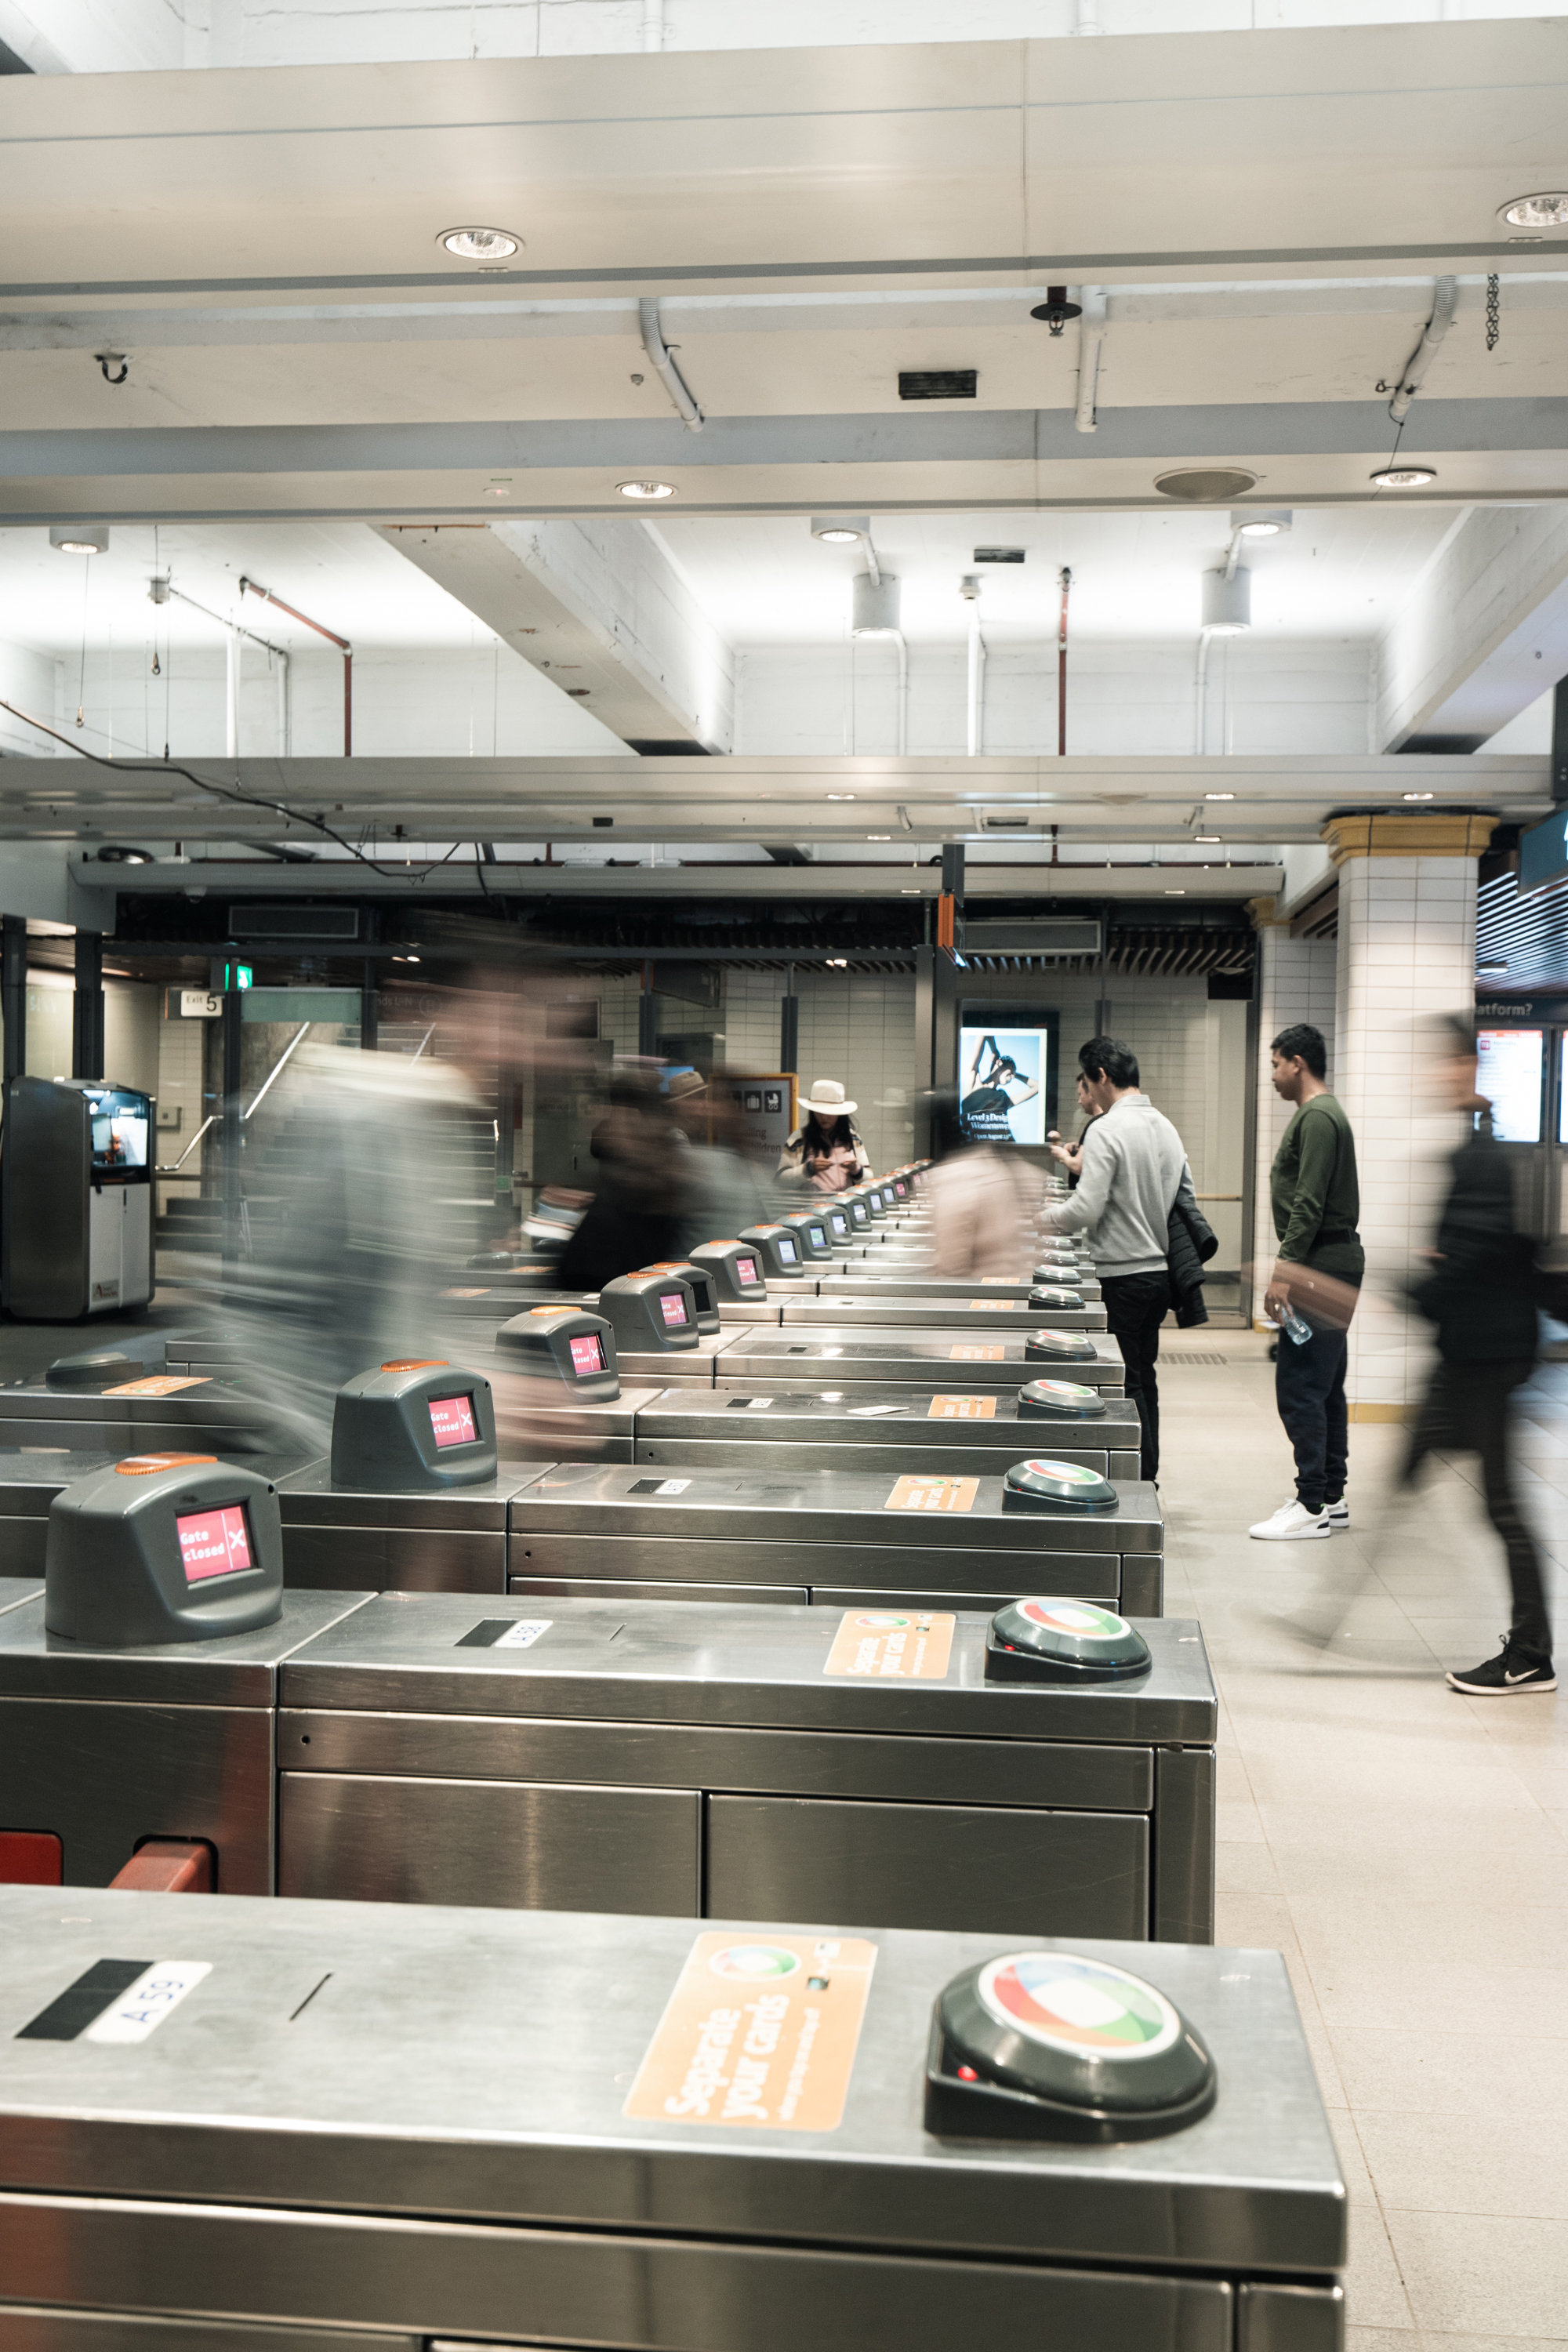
point(1003, 1077)
point(1509, 1071)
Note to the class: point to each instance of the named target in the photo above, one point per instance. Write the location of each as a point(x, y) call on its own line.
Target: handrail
point(169, 1168)
point(272, 1073)
point(423, 1042)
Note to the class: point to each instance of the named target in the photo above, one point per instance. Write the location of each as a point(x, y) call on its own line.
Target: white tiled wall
point(1406, 950)
point(1297, 981)
point(856, 1027)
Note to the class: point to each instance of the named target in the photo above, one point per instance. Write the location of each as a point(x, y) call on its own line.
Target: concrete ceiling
point(263, 244)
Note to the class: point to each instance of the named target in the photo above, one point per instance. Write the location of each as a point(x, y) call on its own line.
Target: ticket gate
point(998, 1312)
point(886, 1429)
point(837, 1538)
point(689, 1761)
point(102, 1749)
point(875, 1281)
point(120, 1402)
point(443, 2128)
point(781, 1360)
point(30, 1481)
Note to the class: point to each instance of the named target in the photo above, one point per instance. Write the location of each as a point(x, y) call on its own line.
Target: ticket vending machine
point(81, 1198)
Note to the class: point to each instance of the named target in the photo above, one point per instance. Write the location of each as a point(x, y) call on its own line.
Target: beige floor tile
point(1244, 1866)
point(1417, 2071)
point(1513, 2162)
point(1470, 2273)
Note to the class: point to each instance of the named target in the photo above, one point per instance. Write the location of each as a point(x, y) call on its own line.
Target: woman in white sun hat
point(826, 1150)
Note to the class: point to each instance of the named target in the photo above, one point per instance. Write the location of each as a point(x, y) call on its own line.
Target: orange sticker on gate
point(996, 1302)
point(1000, 1281)
point(892, 1645)
point(759, 2033)
point(931, 1491)
point(158, 1385)
point(961, 1408)
point(963, 1354)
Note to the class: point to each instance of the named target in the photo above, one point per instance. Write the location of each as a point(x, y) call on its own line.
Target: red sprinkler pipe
point(256, 589)
point(1064, 583)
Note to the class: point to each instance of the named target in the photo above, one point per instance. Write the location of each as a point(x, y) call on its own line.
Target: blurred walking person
point(1132, 1168)
point(1480, 1299)
point(1315, 1195)
point(983, 1202)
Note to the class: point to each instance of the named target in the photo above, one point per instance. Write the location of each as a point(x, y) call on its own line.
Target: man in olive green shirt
point(1316, 1202)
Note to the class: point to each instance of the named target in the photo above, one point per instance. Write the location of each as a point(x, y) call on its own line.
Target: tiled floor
point(1406, 1848)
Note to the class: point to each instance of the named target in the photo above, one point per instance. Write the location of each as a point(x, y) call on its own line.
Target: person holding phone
point(826, 1151)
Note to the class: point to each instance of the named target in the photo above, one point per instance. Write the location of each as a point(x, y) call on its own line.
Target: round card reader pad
point(1056, 1486)
point(1051, 1641)
point(416, 1421)
point(737, 1268)
point(163, 1547)
point(780, 1250)
point(1059, 1400)
point(811, 1235)
point(1059, 1348)
point(1044, 1298)
point(1052, 2045)
point(700, 1281)
point(649, 1311)
point(568, 1345)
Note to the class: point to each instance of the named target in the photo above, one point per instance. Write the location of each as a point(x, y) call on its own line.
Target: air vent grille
point(999, 554)
point(938, 383)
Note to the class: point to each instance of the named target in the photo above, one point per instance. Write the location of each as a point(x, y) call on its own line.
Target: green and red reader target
point(1059, 1400)
point(1043, 1486)
point(1047, 1639)
point(1059, 1348)
point(1045, 1295)
point(1056, 2046)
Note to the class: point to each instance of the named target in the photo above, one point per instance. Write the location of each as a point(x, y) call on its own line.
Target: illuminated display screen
point(120, 1122)
point(587, 1353)
point(818, 1238)
point(745, 1269)
point(1003, 1079)
point(674, 1307)
point(215, 1543)
point(452, 1420)
point(840, 1221)
point(1509, 1075)
point(787, 1250)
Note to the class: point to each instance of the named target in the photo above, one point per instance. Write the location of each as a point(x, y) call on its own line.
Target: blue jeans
point(1309, 1390)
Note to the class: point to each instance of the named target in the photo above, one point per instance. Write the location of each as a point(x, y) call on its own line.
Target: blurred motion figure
point(983, 1202)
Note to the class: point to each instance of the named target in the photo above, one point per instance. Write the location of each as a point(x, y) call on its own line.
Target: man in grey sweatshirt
point(1131, 1166)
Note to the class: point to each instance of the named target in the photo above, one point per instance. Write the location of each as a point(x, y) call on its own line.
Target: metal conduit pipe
point(253, 588)
point(657, 350)
point(652, 24)
point(1090, 335)
point(1445, 298)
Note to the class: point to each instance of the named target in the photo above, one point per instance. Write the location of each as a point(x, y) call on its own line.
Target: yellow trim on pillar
point(1266, 915)
point(1381, 1411)
point(1433, 835)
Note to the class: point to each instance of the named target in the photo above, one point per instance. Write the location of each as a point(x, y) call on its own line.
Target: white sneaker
point(1292, 1523)
point(1339, 1514)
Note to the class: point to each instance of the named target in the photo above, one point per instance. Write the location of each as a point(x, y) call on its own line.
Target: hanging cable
point(82, 665)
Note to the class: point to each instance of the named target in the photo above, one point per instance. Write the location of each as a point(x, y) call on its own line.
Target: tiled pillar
point(1406, 950)
point(1296, 982)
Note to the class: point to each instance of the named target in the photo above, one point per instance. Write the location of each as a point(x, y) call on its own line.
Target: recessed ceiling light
point(645, 489)
point(1175, 894)
point(479, 244)
point(838, 537)
point(1261, 523)
point(843, 796)
point(1206, 840)
point(1550, 211)
point(878, 836)
point(1405, 477)
point(1418, 796)
point(79, 538)
point(1219, 797)
point(841, 529)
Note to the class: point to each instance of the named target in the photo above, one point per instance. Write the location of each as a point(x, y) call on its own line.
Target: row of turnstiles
point(642, 1611)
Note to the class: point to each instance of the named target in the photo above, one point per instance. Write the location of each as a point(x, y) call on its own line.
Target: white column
point(1406, 952)
point(1295, 982)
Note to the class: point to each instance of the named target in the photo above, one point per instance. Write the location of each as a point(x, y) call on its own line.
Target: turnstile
point(140, 1411)
point(873, 1429)
point(845, 1358)
point(839, 1538)
point(914, 1281)
point(414, 1537)
point(103, 1750)
point(880, 1305)
point(666, 1757)
point(452, 2128)
point(30, 1481)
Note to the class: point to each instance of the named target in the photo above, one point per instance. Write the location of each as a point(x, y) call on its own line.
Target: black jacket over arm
point(1482, 1292)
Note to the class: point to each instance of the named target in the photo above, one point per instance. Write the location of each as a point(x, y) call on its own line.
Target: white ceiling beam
point(597, 608)
point(1482, 634)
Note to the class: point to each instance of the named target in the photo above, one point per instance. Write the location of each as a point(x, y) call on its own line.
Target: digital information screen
point(1510, 1063)
point(120, 1122)
point(1003, 1081)
point(787, 1250)
point(745, 1269)
point(674, 1307)
point(840, 1222)
point(588, 1352)
point(452, 1420)
point(215, 1542)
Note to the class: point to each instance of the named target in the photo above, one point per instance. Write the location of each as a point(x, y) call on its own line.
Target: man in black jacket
point(1481, 1296)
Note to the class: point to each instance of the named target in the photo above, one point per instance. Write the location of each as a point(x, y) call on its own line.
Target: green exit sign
point(238, 975)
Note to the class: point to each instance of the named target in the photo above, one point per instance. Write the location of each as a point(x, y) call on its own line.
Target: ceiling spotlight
point(842, 796)
point(1536, 212)
point(645, 489)
point(1418, 796)
point(878, 836)
point(79, 538)
point(840, 530)
point(479, 244)
point(1207, 840)
point(1227, 601)
point(1219, 797)
point(1261, 523)
point(838, 537)
point(1175, 894)
point(1405, 477)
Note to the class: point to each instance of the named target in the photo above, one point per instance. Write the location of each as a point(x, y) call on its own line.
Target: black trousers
point(1310, 1391)
point(1466, 1410)
point(1135, 1306)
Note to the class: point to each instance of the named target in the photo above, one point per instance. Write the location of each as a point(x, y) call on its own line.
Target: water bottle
point(1296, 1326)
